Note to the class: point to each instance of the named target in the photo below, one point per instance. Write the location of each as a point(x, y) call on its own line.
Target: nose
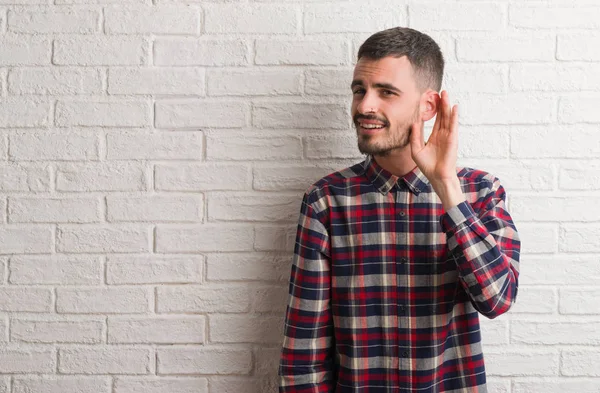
point(367, 103)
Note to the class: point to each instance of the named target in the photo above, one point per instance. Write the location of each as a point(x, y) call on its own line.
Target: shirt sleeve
point(486, 248)
point(306, 363)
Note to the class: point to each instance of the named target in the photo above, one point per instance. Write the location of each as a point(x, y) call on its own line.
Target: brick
point(203, 238)
point(517, 176)
point(578, 110)
point(54, 81)
point(243, 267)
point(498, 385)
point(552, 333)
point(243, 148)
point(61, 384)
point(243, 384)
point(473, 138)
point(133, 300)
point(267, 360)
point(57, 331)
point(27, 360)
point(350, 18)
point(53, 21)
point(579, 301)
point(300, 115)
point(253, 82)
point(579, 363)
point(183, 330)
point(197, 299)
point(522, 362)
point(200, 114)
point(152, 20)
point(479, 78)
point(25, 299)
point(38, 146)
point(156, 146)
point(537, 238)
point(553, 17)
point(203, 361)
point(578, 47)
point(252, 207)
point(99, 238)
point(26, 239)
point(202, 177)
point(155, 208)
point(101, 1)
point(24, 112)
point(327, 82)
point(101, 51)
point(289, 178)
point(105, 361)
point(511, 109)
point(559, 78)
point(161, 385)
point(106, 113)
point(301, 52)
point(550, 209)
point(329, 146)
point(21, 50)
point(494, 332)
point(555, 385)
point(245, 329)
point(275, 238)
point(576, 238)
point(273, 298)
point(154, 269)
point(101, 177)
point(506, 48)
point(200, 52)
point(575, 141)
point(164, 81)
point(56, 270)
point(478, 16)
point(250, 19)
point(579, 176)
point(560, 269)
point(24, 177)
point(531, 300)
point(50, 210)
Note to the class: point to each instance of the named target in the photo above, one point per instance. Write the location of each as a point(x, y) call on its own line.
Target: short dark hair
point(422, 51)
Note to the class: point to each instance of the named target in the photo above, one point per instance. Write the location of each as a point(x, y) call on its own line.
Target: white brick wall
point(153, 155)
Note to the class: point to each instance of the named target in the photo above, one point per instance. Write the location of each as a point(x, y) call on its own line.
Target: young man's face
point(385, 104)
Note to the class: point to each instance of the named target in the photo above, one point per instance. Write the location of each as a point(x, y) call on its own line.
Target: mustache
point(359, 117)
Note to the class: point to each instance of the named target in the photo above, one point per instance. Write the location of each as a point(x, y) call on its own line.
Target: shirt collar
point(384, 180)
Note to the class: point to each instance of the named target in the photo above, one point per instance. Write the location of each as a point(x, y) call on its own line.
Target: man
point(396, 256)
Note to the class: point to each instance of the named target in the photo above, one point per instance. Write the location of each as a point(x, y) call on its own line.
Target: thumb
point(417, 141)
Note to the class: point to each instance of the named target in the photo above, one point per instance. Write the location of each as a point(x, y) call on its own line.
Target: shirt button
point(417, 190)
point(402, 213)
point(404, 354)
point(402, 309)
point(403, 260)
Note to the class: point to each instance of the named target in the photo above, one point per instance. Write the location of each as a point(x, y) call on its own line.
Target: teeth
point(370, 126)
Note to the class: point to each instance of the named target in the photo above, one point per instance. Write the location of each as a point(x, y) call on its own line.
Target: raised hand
point(437, 157)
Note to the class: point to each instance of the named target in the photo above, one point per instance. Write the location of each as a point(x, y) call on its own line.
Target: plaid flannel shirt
point(386, 287)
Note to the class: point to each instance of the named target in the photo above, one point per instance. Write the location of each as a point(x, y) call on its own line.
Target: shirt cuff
point(456, 216)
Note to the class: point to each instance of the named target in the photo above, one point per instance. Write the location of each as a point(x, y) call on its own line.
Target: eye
point(358, 91)
point(388, 93)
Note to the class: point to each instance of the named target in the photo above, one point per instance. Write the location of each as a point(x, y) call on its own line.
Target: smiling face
point(385, 104)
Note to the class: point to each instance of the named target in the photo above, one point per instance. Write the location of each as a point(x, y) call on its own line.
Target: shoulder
point(335, 183)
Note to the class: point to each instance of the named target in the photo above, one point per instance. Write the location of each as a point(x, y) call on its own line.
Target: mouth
point(369, 127)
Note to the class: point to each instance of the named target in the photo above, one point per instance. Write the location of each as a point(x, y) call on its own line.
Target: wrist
point(449, 191)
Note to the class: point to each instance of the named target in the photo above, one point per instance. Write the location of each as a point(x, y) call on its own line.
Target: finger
point(454, 127)
point(417, 142)
point(438, 115)
point(447, 112)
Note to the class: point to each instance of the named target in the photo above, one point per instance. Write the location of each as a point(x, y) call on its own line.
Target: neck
point(398, 162)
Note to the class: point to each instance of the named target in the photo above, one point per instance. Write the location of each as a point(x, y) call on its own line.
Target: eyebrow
point(358, 82)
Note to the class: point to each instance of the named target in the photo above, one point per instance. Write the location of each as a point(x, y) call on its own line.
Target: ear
point(430, 101)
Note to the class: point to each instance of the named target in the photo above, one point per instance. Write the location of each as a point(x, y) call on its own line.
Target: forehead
point(388, 70)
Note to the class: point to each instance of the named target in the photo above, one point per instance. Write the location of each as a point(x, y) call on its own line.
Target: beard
point(388, 139)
